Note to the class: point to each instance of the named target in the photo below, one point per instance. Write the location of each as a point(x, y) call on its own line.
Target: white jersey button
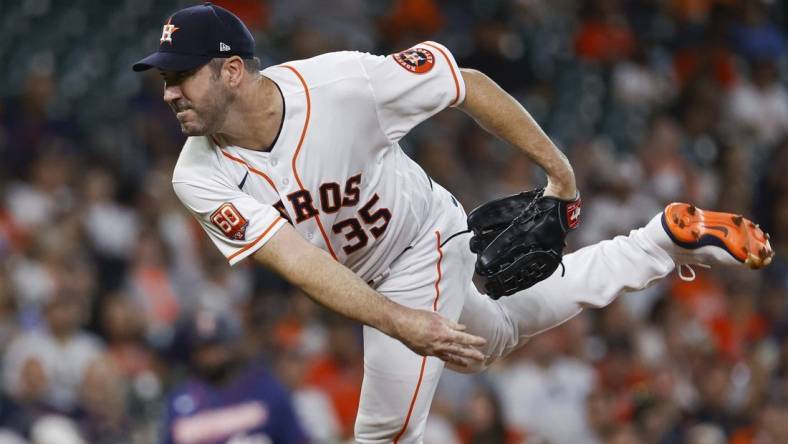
point(285, 181)
point(273, 162)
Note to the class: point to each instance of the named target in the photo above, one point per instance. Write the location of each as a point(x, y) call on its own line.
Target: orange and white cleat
point(711, 237)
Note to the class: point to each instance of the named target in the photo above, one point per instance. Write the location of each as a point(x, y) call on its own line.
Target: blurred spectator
point(151, 284)
point(758, 108)
point(740, 327)
point(713, 380)
point(8, 311)
point(313, 406)
point(484, 423)
point(46, 194)
point(624, 434)
point(600, 414)
point(498, 48)
point(619, 203)
point(49, 365)
point(737, 176)
point(440, 429)
point(128, 369)
point(756, 37)
point(412, 20)
point(655, 421)
point(9, 437)
point(339, 371)
point(769, 426)
point(667, 347)
point(103, 401)
point(29, 127)
point(253, 13)
point(707, 59)
point(123, 325)
point(544, 391)
point(299, 327)
point(705, 434)
point(228, 399)
point(300, 339)
point(771, 203)
point(157, 207)
point(55, 429)
point(110, 228)
point(318, 27)
point(604, 35)
point(640, 86)
point(668, 174)
point(622, 375)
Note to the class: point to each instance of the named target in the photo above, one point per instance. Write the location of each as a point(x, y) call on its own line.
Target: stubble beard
point(211, 118)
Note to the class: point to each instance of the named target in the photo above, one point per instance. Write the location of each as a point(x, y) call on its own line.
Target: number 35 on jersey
point(331, 198)
point(368, 220)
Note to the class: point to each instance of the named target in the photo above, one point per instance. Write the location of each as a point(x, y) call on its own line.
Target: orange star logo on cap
point(167, 31)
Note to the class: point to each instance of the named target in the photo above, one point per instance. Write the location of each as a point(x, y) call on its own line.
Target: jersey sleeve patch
point(229, 220)
point(415, 60)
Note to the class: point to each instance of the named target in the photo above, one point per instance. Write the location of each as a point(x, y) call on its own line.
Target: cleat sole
point(692, 228)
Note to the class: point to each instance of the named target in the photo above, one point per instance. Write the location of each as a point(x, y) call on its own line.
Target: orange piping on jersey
point(254, 242)
point(424, 359)
point(412, 401)
point(451, 68)
point(440, 259)
point(298, 150)
point(306, 123)
point(250, 168)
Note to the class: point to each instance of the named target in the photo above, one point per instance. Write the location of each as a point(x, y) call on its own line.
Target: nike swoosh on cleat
point(718, 228)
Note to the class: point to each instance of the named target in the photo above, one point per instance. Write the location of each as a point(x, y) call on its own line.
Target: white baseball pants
point(437, 275)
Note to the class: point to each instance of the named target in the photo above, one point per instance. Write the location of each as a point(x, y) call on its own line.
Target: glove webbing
point(537, 212)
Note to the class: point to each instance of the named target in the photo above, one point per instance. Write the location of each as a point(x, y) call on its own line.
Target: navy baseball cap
point(195, 35)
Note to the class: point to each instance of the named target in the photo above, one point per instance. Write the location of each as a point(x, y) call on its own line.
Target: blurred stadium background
point(110, 295)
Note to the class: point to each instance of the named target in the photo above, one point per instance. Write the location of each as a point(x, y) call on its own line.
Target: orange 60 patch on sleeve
point(415, 60)
point(229, 220)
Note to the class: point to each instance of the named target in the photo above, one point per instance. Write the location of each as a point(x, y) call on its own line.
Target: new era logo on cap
point(223, 47)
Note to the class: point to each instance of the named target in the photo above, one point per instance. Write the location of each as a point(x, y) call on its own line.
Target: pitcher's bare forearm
point(326, 281)
point(501, 115)
point(339, 289)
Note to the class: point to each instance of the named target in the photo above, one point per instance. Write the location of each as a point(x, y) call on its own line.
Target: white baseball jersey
point(336, 171)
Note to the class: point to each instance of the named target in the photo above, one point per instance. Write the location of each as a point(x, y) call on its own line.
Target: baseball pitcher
point(298, 167)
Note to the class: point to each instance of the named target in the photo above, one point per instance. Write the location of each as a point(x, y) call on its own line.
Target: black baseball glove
point(519, 240)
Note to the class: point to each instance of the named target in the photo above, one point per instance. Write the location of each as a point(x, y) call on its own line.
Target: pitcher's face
point(199, 99)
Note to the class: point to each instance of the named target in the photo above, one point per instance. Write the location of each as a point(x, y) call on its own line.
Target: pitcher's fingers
point(453, 359)
point(459, 337)
point(455, 325)
point(465, 352)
